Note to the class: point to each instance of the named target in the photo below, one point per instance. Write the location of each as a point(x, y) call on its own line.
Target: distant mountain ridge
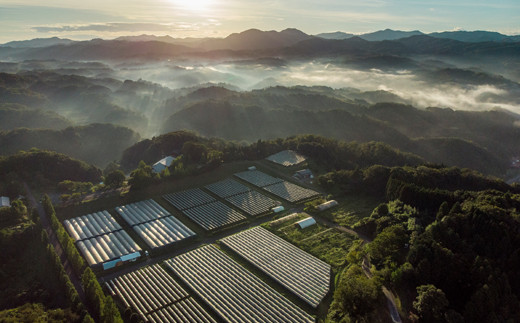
point(463, 36)
point(38, 42)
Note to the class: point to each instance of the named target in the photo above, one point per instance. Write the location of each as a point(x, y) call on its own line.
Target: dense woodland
point(49, 110)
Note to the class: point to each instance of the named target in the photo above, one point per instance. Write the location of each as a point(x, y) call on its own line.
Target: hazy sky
point(26, 19)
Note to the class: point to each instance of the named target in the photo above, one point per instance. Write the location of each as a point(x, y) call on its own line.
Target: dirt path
point(53, 239)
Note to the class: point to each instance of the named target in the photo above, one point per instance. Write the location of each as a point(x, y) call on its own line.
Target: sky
point(87, 19)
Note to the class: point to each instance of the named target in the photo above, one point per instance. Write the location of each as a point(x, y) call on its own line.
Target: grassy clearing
point(351, 209)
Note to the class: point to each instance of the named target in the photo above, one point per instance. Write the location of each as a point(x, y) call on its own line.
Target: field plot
point(107, 247)
point(290, 192)
point(163, 231)
point(303, 274)
point(252, 202)
point(157, 297)
point(187, 199)
point(214, 215)
point(232, 291)
point(287, 158)
point(227, 188)
point(258, 178)
point(91, 225)
point(141, 212)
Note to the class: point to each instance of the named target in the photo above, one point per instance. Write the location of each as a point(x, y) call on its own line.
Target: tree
point(110, 312)
point(115, 179)
point(356, 296)
point(431, 303)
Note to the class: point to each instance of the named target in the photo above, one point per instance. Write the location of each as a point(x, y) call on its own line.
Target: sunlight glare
point(194, 5)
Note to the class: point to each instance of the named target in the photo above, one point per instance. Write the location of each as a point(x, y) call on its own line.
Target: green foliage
point(65, 240)
point(37, 313)
point(389, 246)
point(115, 179)
point(142, 177)
point(75, 187)
point(110, 312)
point(93, 292)
point(47, 167)
point(70, 290)
point(430, 304)
point(355, 298)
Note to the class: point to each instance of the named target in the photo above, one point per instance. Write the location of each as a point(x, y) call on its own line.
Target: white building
point(5, 202)
point(163, 164)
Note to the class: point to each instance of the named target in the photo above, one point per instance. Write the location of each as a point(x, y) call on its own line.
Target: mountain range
point(289, 43)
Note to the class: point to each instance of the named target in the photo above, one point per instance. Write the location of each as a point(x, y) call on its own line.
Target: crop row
point(303, 274)
point(107, 247)
point(187, 199)
point(231, 291)
point(163, 231)
point(91, 225)
point(214, 215)
point(141, 212)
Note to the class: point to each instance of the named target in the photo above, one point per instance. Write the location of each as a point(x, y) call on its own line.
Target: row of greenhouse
point(141, 212)
point(231, 291)
point(258, 178)
point(290, 192)
point(107, 247)
point(163, 231)
point(156, 296)
point(214, 215)
point(303, 274)
point(227, 188)
point(187, 199)
point(91, 225)
point(252, 202)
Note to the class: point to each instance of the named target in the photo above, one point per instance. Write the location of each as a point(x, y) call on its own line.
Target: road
point(53, 239)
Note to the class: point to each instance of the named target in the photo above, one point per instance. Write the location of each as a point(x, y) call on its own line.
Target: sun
point(195, 5)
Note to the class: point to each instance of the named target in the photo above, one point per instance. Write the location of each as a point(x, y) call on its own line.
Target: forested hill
point(331, 153)
point(480, 140)
point(98, 144)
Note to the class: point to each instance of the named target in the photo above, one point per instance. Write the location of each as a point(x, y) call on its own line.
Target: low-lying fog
point(415, 87)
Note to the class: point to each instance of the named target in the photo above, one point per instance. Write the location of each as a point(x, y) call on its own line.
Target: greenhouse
point(303, 274)
point(231, 291)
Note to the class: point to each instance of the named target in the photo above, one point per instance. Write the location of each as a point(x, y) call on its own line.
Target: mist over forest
point(423, 94)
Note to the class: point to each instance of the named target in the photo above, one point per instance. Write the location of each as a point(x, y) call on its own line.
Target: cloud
point(116, 27)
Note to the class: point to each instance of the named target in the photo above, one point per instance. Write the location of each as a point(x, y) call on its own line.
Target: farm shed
point(163, 164)
point(287, 158)
point(327, 205)
point(278, 209)
point(305, 223)
point(5, 202)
